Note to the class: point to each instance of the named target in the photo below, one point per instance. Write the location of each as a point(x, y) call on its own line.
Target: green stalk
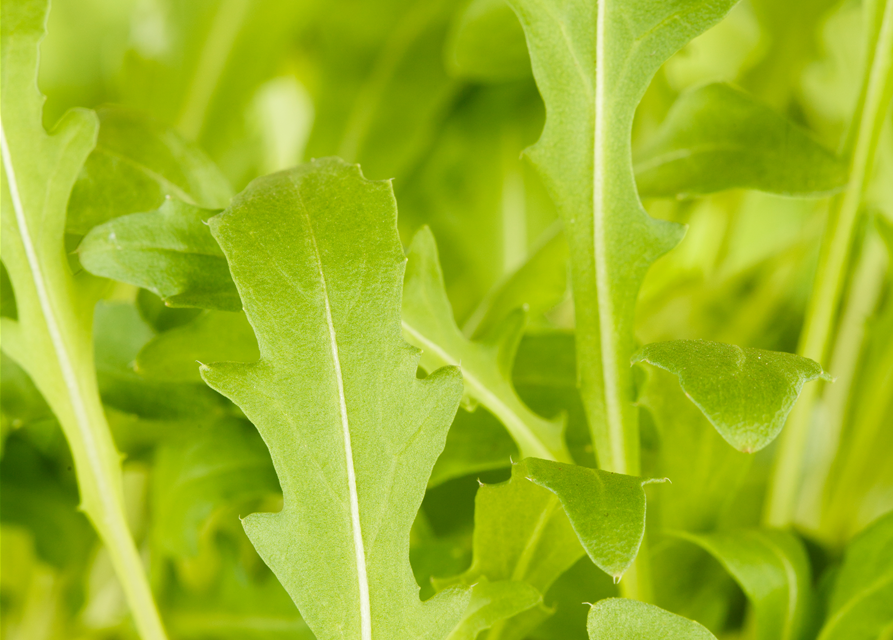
point(52, 341)
point(860, 148)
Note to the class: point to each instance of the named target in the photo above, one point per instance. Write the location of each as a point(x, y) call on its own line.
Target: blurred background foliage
point(438, 96)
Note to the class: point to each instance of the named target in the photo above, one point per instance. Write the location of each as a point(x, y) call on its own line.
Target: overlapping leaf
point(593, 62)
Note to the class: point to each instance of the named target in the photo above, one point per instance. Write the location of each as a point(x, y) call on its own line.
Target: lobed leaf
point(531, 528)
point(620, 619)
point(352, 432)
point(592, 63)
point(486, 364)
point(717, 137)
point(745, 393)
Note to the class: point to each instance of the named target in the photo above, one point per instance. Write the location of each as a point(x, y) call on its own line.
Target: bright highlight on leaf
point(352, 432)
point(745, 393)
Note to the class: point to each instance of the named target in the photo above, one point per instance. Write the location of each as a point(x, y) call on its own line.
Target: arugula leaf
point(168, 251)
point(745, 393)
point(214, 336)
point(352, 432)
point(620, 619)
point(486, 365)
point(772, 569)
point(863, 591)
point(593, 63)
point(524, 528)
point(136, 163)
point(717, 137)
point(521, 533)
point(51, 339)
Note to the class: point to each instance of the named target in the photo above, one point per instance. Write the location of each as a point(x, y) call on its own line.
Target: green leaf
point(525, 527)
point(717, 137)
point(214, 336)
point(486, 365)
point(120, 334)
point(593, 62)
point(168, 251)
point(51, 337)
point(492, 602)
point(619, 619)
point(772, 569)
point(486, 43)
point(352, 432)
point(606, 510)
point(217, 465)
point(860, 603)
point(745, 393)
point(521, 534)
point(135, 164)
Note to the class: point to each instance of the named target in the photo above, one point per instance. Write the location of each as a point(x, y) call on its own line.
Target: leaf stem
point(60, 343)
point(860, 147)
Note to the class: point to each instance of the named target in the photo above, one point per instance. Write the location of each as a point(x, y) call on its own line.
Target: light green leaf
point(486, 43)
point(521, 534)
point(217, 465)
point(717, 137)
point(772, 569)
point(214, 336)
point(135, 164)
point(486, 365)
point(619, 619)
point(860, 604)
point(525, 528)
point(745, 393)
point(168, 251)
point(492, 602)
point(593, 62)
point(352, 432)
point(51, 337)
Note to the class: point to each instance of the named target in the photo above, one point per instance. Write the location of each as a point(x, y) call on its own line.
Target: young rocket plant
point(595, 307)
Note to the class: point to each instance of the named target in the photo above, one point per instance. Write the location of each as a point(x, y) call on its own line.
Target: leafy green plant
point(646, 367)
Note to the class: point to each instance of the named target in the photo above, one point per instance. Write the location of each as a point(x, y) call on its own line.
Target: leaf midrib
point(359, 550)
point(63, 357)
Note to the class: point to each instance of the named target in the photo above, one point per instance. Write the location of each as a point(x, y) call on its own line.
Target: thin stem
point(68, 382)
point(831, 273)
